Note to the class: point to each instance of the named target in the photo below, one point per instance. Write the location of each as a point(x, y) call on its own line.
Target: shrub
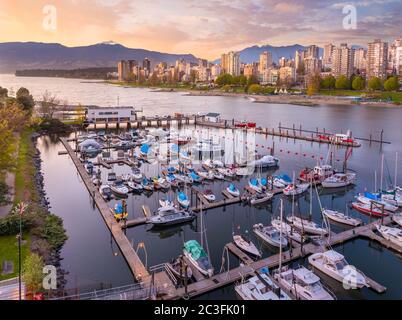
point(375, 84)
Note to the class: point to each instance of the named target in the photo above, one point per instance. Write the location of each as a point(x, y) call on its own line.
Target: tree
point(193, 76)
point(33, 272)
point(358, 83)
point(391, 84)
point(342, 83)
point(225, 79)
point(254, 89)
point(48, 105)
point(25, 99)
point(314, 84)
point(3, 93)
point(328, 82)
point(226, 88)
point(252, 80)
point(375, 83)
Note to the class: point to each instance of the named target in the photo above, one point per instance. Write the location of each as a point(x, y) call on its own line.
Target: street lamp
point(19, 209)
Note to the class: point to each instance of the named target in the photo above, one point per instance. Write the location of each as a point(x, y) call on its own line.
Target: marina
point(198, 203)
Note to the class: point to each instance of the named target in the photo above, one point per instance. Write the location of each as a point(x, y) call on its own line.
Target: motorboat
point(318, 174)
point(334, 265)
point(302, 283)
point(306, 225)
point(260, 198)
point(266, 161)
point(166, 202)
point(368, 198)
point(89, 167)
point(218, 175)
point(244, 171)
point(263, 183)
point(197, 256)
point(246, 245)
point(105, 191)
point(195, 177)
point(260, 287)
point(119, 212)
point(339, 180)
point(147, 185)
point(135, 186)
point(294, 190)
point(206, 175)
point(397, 218)
point(161, 183)
point(287, 230)
point(254, 185)
point(369, 210)
point(233, 190)
point(341, 218)
point(281, 181)
point(213, 164)
point(111, 176)
point(170, 215)
point(226, 172)
point(183, 200)
point(270, 235)
point(184, 178)
point(119, 189)
point(136, 175)
point(393, 235)
point(177, 269)
point(209, 195)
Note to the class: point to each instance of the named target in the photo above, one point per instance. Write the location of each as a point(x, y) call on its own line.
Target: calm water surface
point(91, 256)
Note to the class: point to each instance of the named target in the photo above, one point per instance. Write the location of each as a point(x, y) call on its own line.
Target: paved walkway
point(10, 179)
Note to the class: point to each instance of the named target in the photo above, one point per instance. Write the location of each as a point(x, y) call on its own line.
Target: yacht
point(119, 189)
point(254, 185)
point(266, 161)
point(136, 187)
point(270, 235)
point(168, 215)
point(281, 181)
point(260, 198)
point(393, 235)
point(339, 180)
point(260, 287)
point(105, 191)
point(318, 174)
point(334, 265)
point(294, 190)
point(302, 283)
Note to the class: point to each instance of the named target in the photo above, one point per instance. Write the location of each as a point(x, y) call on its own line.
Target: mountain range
point(36, 55)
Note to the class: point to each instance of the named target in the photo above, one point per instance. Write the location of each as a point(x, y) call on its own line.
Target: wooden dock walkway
point(271, 262)
point(135, 264)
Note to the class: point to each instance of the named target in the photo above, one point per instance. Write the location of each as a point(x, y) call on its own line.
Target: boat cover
point(118, 208)
point(182, 196)
point(232, 187)
point(254, 182)
point(194, 176)
point(144, 148)
point(264, 181)
point(195, 249)
point(372, 196)
point(284, 177)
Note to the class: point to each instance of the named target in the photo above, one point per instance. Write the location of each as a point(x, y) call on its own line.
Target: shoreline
point(297, 100)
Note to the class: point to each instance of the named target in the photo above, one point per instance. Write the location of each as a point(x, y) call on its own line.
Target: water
point(91, 256)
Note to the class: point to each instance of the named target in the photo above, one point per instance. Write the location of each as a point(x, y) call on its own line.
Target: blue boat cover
point(194, 176)
point(254, 182)
point(144, 148)
point(372, 196)
point(232, 187)
point(264, 181)
point(171, 170)
point(182, 196)
point(118, 208)
point(284, 177)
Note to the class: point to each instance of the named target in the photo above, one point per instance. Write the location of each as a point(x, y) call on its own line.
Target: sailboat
point(287, 230)
point(246, 245)
point(369, 210)
point(254, 185)
point(397, 218)
point(368, 197)
point(306, 225)
point(269, 235)
point(198, 257)
point(293, 189)
point(341, 217)
point(393, 235)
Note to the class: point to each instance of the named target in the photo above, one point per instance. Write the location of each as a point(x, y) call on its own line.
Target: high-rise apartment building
point(342, 61)
point(360, 59)
point(327, 57)
point(312, 52)
point(231, 63)
point(265, 61)
point(377, 59)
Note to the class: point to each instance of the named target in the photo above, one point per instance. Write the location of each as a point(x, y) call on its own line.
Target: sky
point(203, 28)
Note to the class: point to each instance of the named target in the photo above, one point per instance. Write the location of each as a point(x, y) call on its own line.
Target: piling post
point(381, 136)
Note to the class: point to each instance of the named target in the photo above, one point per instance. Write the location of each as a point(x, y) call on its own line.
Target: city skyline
point(205, 30)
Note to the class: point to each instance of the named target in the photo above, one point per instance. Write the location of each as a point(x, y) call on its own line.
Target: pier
point(140, 272)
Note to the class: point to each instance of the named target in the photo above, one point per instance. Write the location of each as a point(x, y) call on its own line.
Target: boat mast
point(280, 238)
point(375, 181)
point(382, 171)
point(396, 169)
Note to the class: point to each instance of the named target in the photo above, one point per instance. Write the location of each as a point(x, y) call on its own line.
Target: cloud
point(205, 29)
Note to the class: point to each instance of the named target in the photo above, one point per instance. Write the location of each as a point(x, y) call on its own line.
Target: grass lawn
point(25, 171)
point(9, 252)
point(395, 96)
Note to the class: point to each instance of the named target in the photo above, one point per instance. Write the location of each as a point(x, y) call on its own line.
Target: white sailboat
point(246, 245)
point(270, 235)
point(341, 218)
point(393, 235)
point(306, 225)
point(397, 218)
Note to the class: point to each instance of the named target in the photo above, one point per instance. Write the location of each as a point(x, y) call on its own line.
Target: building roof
point(213, 114)
point(100, 108)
